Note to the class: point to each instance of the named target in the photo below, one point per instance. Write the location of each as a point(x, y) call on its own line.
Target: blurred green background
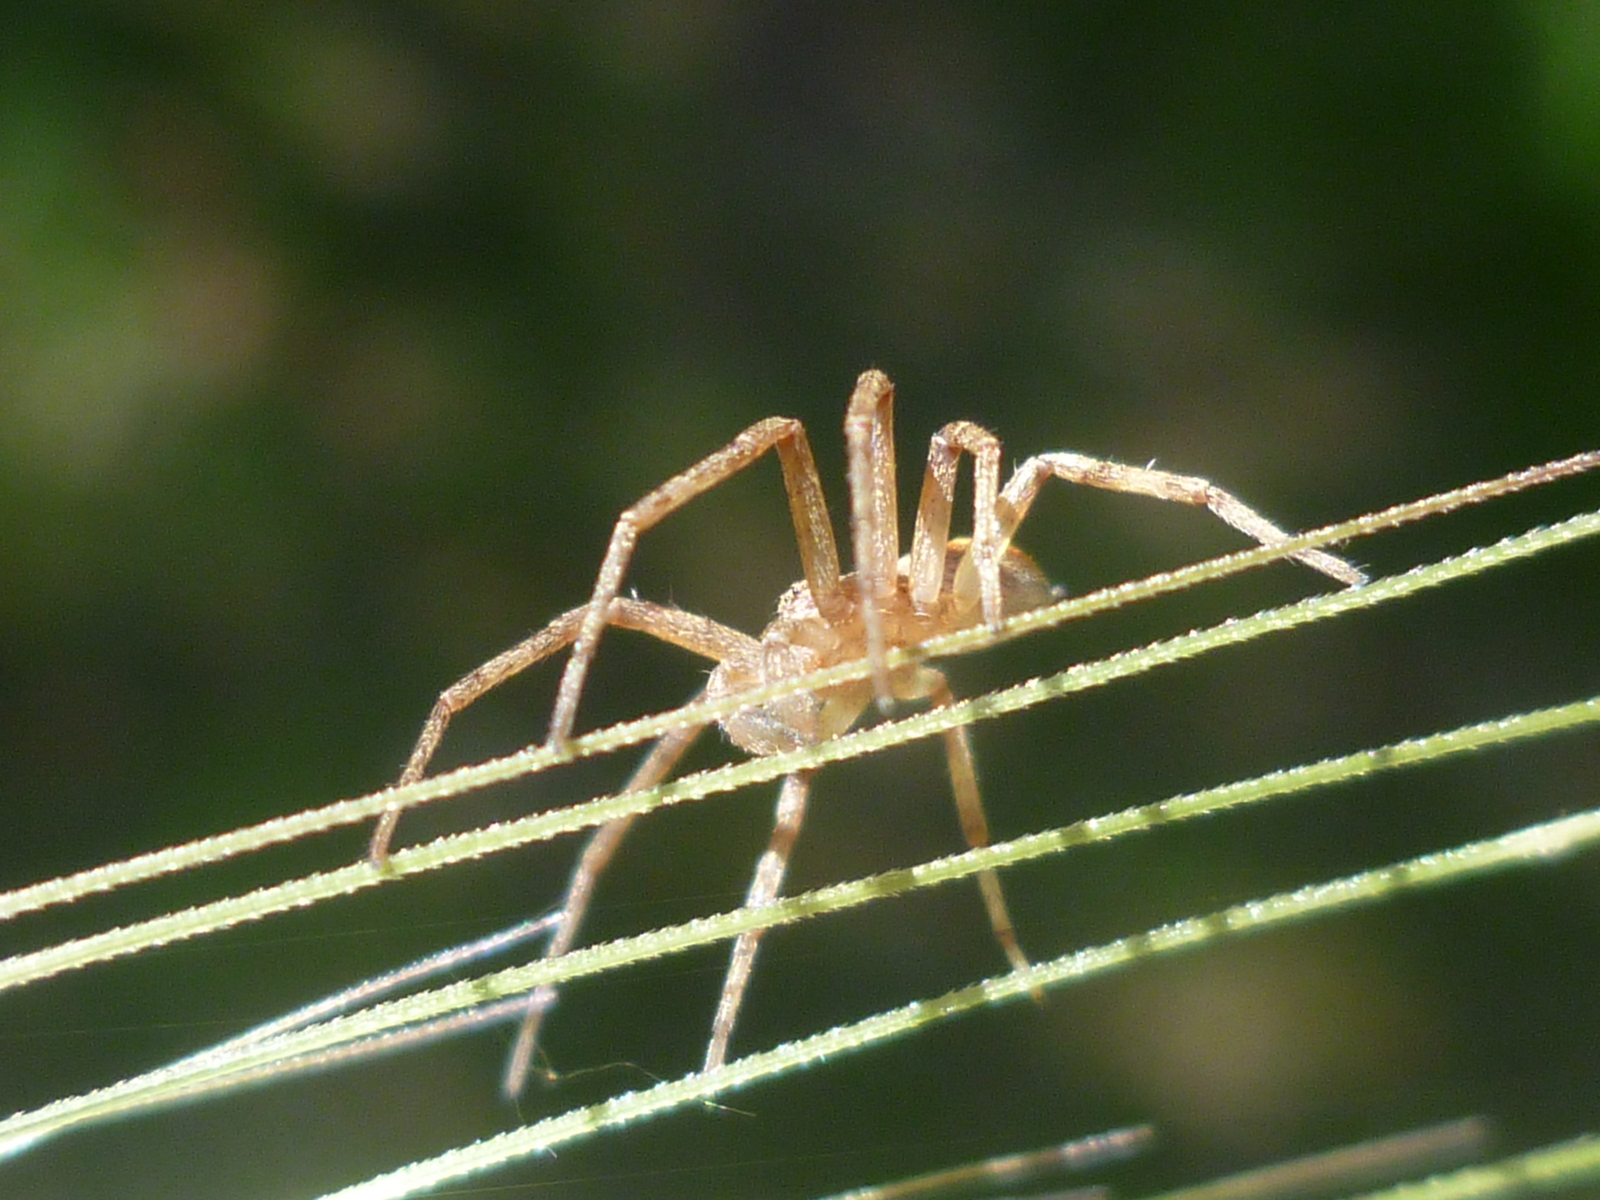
point(334, 335)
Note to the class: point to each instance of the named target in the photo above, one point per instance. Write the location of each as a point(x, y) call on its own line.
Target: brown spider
point(944, 584)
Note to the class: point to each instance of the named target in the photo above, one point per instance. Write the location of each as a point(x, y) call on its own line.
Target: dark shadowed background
point(334, 335)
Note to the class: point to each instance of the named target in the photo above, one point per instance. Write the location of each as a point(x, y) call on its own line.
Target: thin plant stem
point(255, 1057)
point(204, 851)
point(446, 851)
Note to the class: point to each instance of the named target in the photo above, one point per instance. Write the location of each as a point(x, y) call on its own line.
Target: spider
point(943, 585)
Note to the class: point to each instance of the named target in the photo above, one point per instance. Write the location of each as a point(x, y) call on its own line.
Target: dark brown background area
point(334, 335)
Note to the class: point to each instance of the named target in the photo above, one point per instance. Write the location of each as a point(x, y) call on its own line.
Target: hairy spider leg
point(874, 519)
point(597, 854)
point(1025, 482)
point(764, 885)
point(931, 538)
point(819, 557)
point(697, 634)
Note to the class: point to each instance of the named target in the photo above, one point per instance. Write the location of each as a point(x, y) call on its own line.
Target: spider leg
point(602, 844)
point(974, 825)
point(931, 537)
point(458, 696)
point(813, 531)
point(1024, 485)
point(764, 887)
point(694, 633)
point(874, 521)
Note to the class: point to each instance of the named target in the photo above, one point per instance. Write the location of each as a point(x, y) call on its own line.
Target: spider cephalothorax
point(801, 640)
